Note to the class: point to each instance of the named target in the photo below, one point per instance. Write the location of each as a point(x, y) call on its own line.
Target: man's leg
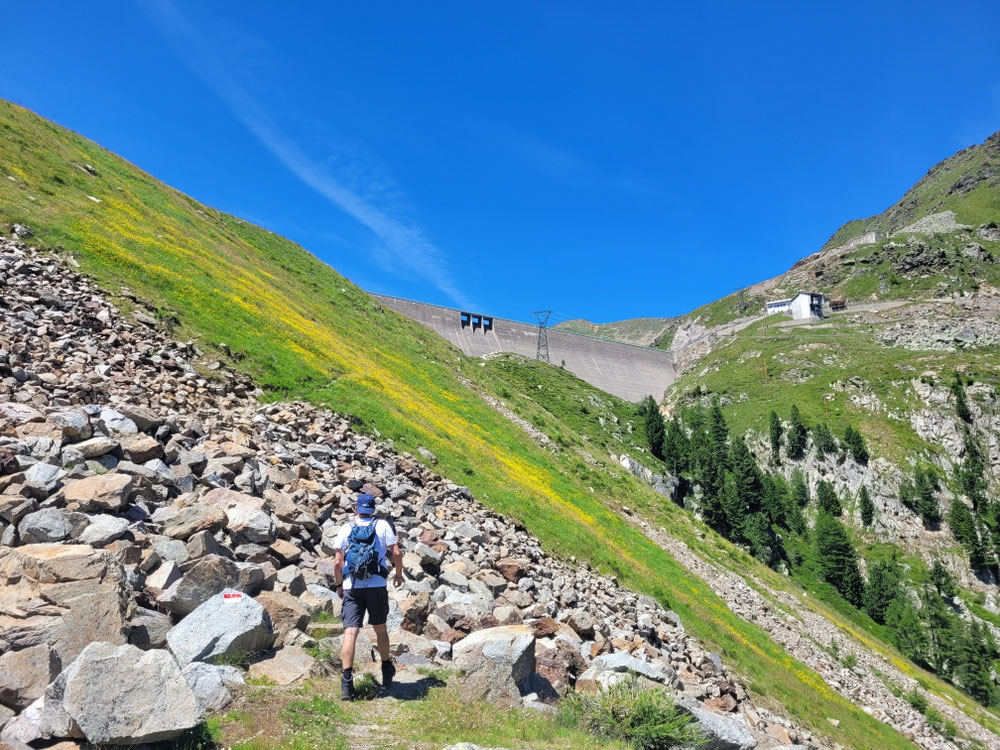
point(378, 613)
point(381, 640)
point(347, 648)
point(353, 616)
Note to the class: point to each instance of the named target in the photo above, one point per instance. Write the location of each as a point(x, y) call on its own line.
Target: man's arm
point(338, 571)
point(397, 561)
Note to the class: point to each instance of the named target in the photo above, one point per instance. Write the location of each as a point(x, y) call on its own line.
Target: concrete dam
point(625, 370)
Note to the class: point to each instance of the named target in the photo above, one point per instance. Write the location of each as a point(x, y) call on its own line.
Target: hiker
point(362, 549)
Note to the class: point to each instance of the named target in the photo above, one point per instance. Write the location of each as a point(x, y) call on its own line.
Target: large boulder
point(495, 661)
point(210, 575)
point(121, 695)
point(623, 662)
point(48, 525)
point(287, 612)
point(25, 674)
point(100, 492)
point(192, 519)
point(230, 623)
point(62, 595)
point(723, 732)
point(248, 516)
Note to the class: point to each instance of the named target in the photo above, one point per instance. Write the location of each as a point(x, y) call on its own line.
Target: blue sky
point(606, 160)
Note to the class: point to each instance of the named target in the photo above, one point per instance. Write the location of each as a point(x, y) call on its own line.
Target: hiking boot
point(388, 672)
point(346, 688)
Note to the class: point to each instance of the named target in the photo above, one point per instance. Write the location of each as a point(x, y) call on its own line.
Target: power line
point(542, 318)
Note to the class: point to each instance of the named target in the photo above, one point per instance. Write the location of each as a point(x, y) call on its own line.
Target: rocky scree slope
point(157, 521)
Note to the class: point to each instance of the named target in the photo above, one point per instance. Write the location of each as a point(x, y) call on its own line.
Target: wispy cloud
point(562, 165)
point(400, 245)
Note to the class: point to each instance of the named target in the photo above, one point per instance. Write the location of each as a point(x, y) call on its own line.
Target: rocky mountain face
point(156, 522)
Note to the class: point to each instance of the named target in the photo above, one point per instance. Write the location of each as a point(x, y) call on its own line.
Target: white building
point(778, 306)
point(805, 305)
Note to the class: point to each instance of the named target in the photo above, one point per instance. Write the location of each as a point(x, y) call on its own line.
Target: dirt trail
point(374, 720)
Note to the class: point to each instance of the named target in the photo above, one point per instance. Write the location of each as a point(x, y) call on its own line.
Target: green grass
point(443, 717)
point(645, 719)
point(305, 332)
point(753, 374)
point(641, 331)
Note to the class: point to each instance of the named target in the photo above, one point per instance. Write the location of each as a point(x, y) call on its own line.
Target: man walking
point(362, 549)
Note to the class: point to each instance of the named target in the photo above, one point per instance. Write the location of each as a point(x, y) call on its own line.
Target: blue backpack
point(362, 558)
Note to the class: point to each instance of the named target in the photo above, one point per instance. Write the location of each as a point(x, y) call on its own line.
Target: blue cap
point(366, 504)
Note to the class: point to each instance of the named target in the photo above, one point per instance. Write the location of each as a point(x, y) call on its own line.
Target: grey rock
point(495, 661)
point(103, 530)
point(623, 662)
point(44, 476)
point(121, 695)
point(229, 623)
point(115, 424)
point(75, 424)
point(210, 575)
point(207, 683)
point(148, 629)
point(45, 525)
point(96, 446)
point(724, 732)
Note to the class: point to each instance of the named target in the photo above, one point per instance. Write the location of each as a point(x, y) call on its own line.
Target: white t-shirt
point(385, 537)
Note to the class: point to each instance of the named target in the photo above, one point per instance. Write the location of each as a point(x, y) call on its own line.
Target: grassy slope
point(306, 332)
point(966, 183)
point(642, 331)
point(836, 351)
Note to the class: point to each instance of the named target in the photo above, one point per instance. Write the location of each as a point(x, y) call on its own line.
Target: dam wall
point(625, 370)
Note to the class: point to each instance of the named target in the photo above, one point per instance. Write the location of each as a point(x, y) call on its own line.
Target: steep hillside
point(641, 331)
point(967, 184)
point(913, 364)
point(268, 308)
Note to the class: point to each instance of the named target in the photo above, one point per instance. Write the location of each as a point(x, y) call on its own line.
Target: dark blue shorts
point(374, 601)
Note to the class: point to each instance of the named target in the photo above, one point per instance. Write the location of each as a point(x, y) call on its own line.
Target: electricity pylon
point(542, 317)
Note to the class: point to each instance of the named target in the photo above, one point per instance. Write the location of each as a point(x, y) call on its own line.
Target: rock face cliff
point(155, 518)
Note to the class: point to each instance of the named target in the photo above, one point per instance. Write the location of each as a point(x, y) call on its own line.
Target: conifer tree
point(883, 586)
point(760, 536)
point(714, 507)
point(655, 432)
point(797, 435)
point(836, 558)
point(973, 654)
point(735, 508)
point(855, 443)
point(775, 432)
point(823, 439)
point(942, 581)
point(827, 500)
point(675, 447)
point(774, 499)
point(800, 489)
point(964, 528)
point(907, 632)
point(866, 505)
point(961, 403)
point(718, 431)
point(970, 474)
point(746, 475)
point(942, 626)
